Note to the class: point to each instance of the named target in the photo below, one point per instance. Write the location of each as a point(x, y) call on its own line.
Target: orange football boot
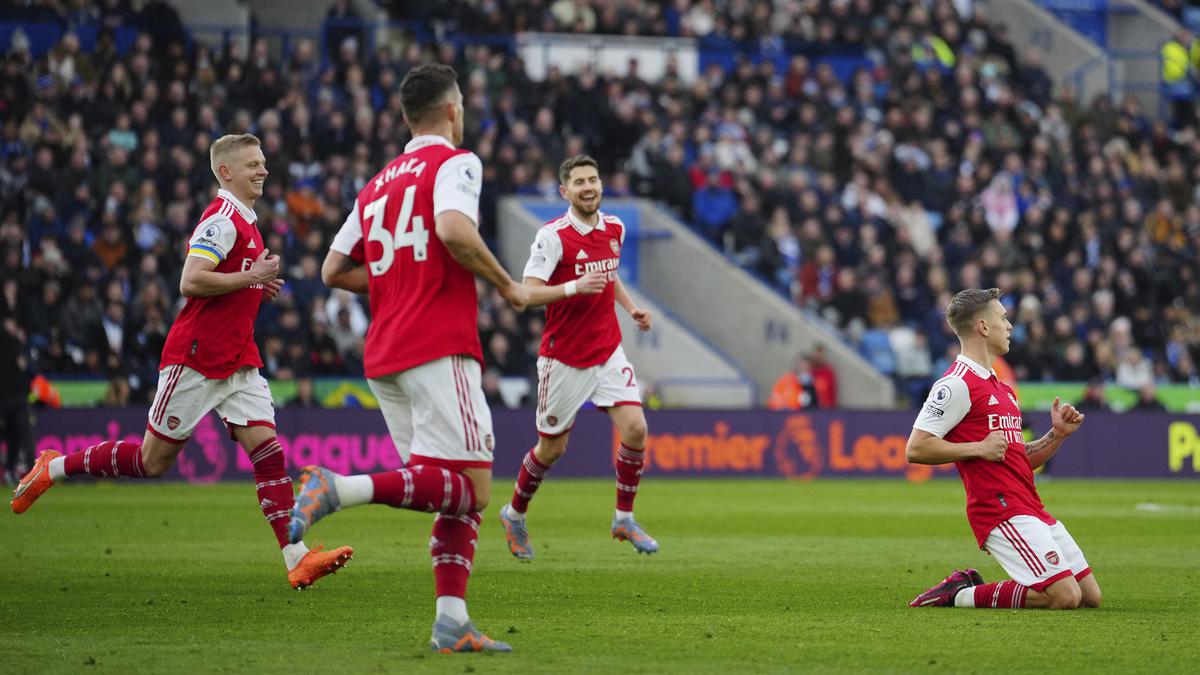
point(35, 483)
point(318, 563)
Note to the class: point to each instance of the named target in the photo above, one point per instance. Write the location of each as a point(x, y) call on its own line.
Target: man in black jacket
point(14, 400)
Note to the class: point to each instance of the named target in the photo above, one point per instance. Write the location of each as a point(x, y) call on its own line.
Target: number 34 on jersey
point(409, 230)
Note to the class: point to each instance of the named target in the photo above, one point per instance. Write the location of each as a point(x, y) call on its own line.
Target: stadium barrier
point(351, 392)
point(682, 444)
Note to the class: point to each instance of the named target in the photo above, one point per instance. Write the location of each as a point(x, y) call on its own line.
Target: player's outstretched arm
point(199, 280)
point(641, 316)
point(541, 294)
point(925, 448)
point(1064, 420)
point(461, 238)
point(341, 271)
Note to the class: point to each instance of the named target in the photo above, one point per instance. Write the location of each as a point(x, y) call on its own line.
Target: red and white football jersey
point(966, 405)
point(214, 335)
point(423, 303)
point(582, 330)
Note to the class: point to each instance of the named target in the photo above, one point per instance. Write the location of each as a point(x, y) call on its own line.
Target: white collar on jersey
point(426, 140)
point(247, 213)
point(978, 369)
point(582, 227)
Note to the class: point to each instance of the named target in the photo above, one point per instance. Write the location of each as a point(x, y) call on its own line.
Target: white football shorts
point(1036, 554)
point(562, 390)
point(185, 396)
point(437, 414)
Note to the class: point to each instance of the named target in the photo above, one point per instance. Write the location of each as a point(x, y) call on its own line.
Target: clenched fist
point(993, 447)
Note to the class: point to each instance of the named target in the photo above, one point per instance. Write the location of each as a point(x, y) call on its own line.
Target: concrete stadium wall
point(759, 329)
point(1069, 57)
point(1136, 31)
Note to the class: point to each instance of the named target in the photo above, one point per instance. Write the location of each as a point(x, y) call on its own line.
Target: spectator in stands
point(16, 434)
point(1147, 400)
point(954, 166)
point(1093, 396)
point(824, 378)
point(796, 388)
point(491, 388)
point(1180, 57)
point(119, 394)
point(306, 394)
point(714, 205)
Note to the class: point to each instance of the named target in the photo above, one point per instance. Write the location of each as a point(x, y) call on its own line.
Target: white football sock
point(624, 515)
point(512, 513)
point(292, 553)
point(58, 469)
point(965, 597)
point(354, 490)
point(452, 608)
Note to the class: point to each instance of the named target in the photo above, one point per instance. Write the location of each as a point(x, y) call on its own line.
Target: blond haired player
point(210, 362)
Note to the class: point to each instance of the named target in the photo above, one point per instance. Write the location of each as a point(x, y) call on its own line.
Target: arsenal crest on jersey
point(616, 248)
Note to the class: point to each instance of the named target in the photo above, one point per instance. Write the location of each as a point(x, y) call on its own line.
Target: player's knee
point(483, 496)
point(1091, 599)
point(634, 435)
point(481, 492)
point(1067, 597)
point(552, 449)
point(156, 466)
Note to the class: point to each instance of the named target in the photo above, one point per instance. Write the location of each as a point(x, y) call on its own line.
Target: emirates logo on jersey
point(616, 248)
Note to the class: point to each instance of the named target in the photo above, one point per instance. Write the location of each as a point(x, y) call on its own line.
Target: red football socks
point(452, 547)
point(424, 488)
point(629, 474)
point(1006, 594)
point(528, 479)
point(110, 459)
point(275, 494)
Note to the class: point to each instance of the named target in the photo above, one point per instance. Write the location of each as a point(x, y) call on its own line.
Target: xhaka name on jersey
point(413, 166)
point(1009, 424)
point(608, 265)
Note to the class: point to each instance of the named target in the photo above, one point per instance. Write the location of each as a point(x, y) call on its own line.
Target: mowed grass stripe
point(754, 576)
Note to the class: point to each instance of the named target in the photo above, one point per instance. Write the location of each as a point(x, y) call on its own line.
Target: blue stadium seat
point(877, 349)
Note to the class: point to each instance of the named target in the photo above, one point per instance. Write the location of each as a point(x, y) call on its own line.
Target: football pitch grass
point(754, 576)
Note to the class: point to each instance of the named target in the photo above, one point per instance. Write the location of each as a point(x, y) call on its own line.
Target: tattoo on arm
point(1042, 443)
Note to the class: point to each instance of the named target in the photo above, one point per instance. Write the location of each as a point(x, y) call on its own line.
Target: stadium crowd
point(946, 160)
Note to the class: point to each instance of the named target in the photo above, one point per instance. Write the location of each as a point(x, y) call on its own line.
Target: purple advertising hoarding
point(681, 443)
